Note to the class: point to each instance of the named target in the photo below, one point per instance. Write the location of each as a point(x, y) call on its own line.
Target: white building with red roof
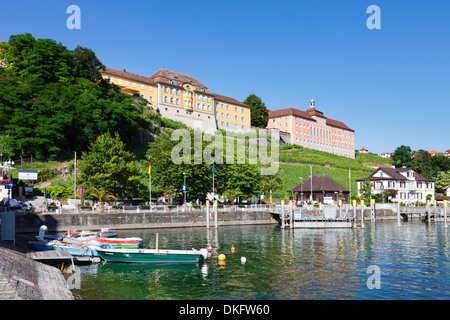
point(311, 129)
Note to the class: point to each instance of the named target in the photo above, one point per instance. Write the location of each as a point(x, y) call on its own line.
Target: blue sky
point(390, 85)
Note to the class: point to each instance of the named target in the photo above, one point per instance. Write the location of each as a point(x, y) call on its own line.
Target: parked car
point(18, 204)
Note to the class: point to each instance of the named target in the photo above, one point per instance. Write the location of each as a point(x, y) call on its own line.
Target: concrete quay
point(22, 278)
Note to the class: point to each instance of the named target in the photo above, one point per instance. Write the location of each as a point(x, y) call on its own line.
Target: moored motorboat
point(106, 233)
point(74, 246)
point(152, 255)
point(125, 243)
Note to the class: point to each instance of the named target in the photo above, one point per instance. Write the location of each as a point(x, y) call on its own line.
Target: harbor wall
point(138, 220)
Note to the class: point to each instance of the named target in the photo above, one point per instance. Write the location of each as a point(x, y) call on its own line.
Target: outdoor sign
point(27, 175)
point(184, 187)
point(81, 190)
point(9, 185)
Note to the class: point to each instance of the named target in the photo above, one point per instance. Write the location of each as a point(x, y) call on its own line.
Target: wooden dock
point(61, 255)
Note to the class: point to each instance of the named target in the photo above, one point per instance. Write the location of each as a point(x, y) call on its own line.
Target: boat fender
point(233, 249)
point(317, 212)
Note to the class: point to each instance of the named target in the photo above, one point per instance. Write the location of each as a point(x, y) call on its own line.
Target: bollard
point(362, 214)
point(398, 214)
point(207, 214)
point(215, 215)
point(445, 214)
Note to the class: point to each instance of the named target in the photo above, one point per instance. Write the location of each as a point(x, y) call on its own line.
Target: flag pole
point(150, 180)
point(349, 186)
point(214, 198)
point(75, 179)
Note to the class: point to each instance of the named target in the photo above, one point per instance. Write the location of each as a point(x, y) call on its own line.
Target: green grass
point(297, 154)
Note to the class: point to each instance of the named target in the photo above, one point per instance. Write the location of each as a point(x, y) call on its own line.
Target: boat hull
point(151, 256)
point(85, 252)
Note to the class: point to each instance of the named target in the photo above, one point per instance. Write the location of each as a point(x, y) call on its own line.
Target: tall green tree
point(259, 115)
point(87, 64)
point(107, 166)
point(440, 163)
point(402, 156)
point(422, 163)
point(44, 60)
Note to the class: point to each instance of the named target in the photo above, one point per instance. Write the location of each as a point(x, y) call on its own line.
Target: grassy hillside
point(297, 154)
point(295, 162)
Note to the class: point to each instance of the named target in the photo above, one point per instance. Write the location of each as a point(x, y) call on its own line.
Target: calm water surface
point(285, 264)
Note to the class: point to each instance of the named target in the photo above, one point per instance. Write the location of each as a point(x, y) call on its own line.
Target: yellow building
point(181, 97)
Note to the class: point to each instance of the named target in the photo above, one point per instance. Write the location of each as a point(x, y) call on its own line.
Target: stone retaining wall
point(136, 220)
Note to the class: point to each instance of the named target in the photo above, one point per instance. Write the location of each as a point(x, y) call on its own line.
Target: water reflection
point(286, 264)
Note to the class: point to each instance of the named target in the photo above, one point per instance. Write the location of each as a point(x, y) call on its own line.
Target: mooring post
point(435, 211)
point(362, 214)
point(282, 215)
point(290, 214)
point(207, 214)
point(340, 208)
point(215, 215)
point(398, 213)
point(445, 214)
point(372, 209)
point(354, 213)
point(427, 208)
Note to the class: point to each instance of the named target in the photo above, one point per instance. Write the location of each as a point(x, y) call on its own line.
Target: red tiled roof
point(320, 182)
point(223, 98)
point(175, 78)
point(307, 115)
point(127, 75)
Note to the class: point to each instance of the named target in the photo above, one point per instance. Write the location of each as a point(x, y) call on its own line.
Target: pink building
point(311, 129)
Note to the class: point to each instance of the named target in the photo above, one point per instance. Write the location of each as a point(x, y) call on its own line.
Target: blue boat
point(74, 247)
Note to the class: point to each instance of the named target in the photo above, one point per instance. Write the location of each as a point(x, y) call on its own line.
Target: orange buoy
point(209, 255)
point(209, 247)
point(233, 249)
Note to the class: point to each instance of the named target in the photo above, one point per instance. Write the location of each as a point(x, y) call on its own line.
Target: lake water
point(406, 262)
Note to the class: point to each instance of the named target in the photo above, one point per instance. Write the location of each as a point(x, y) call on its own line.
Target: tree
point(107, 166)
point(259, 115)
point(52, 101)
point(366, 189)
point(402, 157)
point(442, 181)
point(87, 64)
point(44, 60)
point(440, 163)
point(422, 163)
point(6, 145)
